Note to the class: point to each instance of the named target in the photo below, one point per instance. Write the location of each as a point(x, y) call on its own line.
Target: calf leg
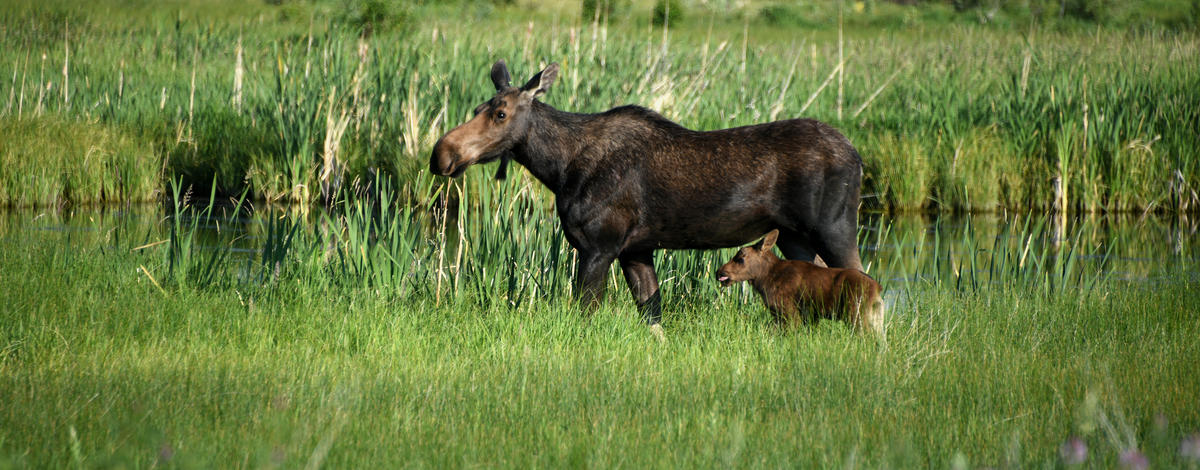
point(643, 283)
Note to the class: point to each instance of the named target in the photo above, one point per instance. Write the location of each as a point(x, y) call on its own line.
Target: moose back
point(629, 181)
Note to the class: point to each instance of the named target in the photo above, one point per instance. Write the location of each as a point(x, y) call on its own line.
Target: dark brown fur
point(629, 181)
point(796, 291)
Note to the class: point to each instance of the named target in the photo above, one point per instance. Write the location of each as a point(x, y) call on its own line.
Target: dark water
point(896, 249)
point(1144, 248)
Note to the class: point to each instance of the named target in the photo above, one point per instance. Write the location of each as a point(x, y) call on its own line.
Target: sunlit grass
point(51, 161)
point(114, 371)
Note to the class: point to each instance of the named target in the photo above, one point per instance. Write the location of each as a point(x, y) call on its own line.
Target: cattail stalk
point(192, 92)
point(841, 62)
point(813, 97)
point(745, 41)
point(42, 86)
point(238, 71)
point(1025, 72)
point(875, 94)
point(67, 65)
point(12, 89)
point(775, 110)
point(666, 27)
point(21, 100)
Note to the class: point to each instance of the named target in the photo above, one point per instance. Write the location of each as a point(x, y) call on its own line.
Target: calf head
point(751, 262)
point(499, 124)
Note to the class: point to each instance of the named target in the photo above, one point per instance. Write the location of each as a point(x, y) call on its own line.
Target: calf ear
point(540, 83)
point(768, 241)
point(500, 76)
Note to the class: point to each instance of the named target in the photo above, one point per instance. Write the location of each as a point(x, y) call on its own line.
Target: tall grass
point(295, 107)
point(327, 347)
point(513, 255)
point(52, 161)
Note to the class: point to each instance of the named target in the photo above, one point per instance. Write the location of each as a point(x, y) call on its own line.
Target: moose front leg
point(643, 283)
point(589, 278)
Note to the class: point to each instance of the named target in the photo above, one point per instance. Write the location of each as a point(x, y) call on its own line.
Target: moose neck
point(765, 282)
point(553, 141)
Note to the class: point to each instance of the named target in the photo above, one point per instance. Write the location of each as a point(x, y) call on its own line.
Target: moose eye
point(739, 260)
point(500, 115)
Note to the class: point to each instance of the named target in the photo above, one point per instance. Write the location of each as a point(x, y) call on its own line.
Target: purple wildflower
point(1133, 459)
point(165, 453)
point(1074, 451)
point(1189, 448)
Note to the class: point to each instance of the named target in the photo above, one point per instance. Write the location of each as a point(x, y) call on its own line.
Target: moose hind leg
point(643, 283)
point(795, 247)
point(838, 245)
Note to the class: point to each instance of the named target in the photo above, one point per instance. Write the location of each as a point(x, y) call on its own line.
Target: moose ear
point(768, 241)
point(540, 83)
point(500, 76)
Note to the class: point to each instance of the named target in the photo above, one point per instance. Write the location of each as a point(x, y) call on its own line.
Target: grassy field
point(397, 330)
point(292, 101)
point(109, 359)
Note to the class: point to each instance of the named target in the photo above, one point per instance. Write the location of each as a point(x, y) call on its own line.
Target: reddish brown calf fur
point(795, 290)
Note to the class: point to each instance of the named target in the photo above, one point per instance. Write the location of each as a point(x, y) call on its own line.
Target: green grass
point(955, 115)
point(51, 161)
point(382, 334)
point(112, 370)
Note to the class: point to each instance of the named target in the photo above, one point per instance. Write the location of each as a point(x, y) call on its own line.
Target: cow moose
point(629, 181)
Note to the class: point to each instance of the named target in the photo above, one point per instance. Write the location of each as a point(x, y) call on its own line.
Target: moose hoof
point(657, 331)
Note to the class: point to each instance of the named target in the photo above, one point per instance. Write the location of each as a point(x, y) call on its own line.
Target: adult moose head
point(629, 181)
point(498, 125)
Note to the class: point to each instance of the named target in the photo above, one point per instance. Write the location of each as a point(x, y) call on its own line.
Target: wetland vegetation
point(295, 100)
point(300, 291)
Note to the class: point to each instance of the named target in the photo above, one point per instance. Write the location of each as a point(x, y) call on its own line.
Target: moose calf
point(798, 290)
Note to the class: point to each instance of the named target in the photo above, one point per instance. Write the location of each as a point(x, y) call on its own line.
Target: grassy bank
point(127, 365)
point(50, 160)
point(292, 101)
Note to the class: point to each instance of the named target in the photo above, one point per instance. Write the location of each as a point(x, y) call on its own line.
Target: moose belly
point(707, 231)
point(705, 220)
